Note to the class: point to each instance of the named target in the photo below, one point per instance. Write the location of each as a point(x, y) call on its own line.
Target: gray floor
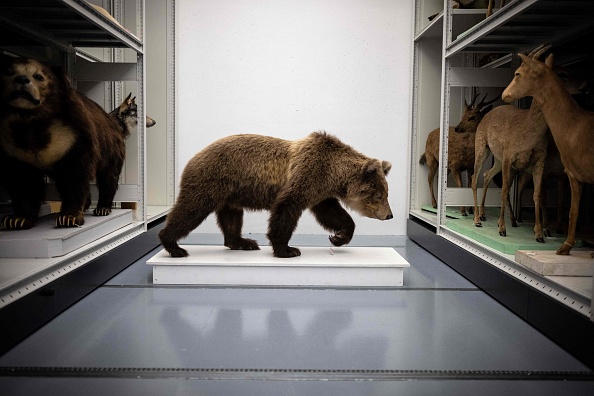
point(438, 334)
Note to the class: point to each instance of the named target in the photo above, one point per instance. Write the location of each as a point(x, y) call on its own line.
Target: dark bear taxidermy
point(48, 128)
point(286, 177)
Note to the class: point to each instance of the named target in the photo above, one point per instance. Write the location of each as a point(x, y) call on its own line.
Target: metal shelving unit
point(62, 32)
point(443, 76)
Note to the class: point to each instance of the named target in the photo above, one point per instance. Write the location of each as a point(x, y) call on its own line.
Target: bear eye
point(38, 77)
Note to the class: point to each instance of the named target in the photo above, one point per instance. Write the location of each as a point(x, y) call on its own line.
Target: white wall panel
point(286, 68)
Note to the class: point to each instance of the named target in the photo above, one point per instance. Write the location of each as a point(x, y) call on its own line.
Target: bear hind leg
point(180, 222)
point(107, 184)
point(230, 221)
point(334, 218)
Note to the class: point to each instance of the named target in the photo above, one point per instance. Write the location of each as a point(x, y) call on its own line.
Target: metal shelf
point(67, 32)
point(526, 23)
point(62, 23)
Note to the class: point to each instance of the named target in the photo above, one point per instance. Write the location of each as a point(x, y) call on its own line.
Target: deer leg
point(524, 179)
point(458, 179)
point(505, 176)
point(560, 195)
point(488, 176)
point(537, 171)
point(543, 210)
point(432, 165)
point(490, 8)
point(479, 160)
point(512, 213)
point(576, 193)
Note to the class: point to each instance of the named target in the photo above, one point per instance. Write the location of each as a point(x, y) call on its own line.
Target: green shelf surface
point(518, 238)
point(451, 212)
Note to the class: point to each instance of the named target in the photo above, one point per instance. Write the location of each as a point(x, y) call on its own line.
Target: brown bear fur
point(286, 177)
point(48, 128)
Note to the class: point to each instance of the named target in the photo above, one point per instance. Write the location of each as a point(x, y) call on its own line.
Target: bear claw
point(102, 211)
point(339, 239)
point(16, 223)
point(68, 221)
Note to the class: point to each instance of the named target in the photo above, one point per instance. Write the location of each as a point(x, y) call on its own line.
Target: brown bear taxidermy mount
point(48, 128)
point(257, 172)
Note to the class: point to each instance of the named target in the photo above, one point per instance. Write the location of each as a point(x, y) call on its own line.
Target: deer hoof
point(546, 232)
point(478, 224)
point(502, 233)
point(564, 249)
point(540, 240)
point(514, 223)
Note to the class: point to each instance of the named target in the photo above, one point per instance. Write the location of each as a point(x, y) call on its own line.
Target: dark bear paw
point(286, 252)
point(341, 238)
point(243, 244)
point(177, 252)
point(12, 222)
point(101, 211)
point(69, 221)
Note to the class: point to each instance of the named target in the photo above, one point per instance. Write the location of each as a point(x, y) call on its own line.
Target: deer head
point(529, 77)
point(473, 115)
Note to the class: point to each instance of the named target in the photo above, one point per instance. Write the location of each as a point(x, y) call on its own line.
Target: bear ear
point(371, 167)
point(386, 166)
point(60, 74)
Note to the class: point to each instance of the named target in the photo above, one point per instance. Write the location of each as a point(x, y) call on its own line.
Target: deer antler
point(470, 106)
point(482, 103)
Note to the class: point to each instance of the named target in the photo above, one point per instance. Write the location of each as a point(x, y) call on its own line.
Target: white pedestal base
point(45, 240)
point(317, 266)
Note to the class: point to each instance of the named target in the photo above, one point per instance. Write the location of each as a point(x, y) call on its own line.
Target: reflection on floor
point(438, 334)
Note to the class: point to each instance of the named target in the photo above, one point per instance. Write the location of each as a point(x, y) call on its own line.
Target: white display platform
point(546, 262)
point(317, 266)
point(46, 240)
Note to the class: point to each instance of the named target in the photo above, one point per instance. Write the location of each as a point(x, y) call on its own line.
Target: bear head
point(367, 193)
point(28, 85)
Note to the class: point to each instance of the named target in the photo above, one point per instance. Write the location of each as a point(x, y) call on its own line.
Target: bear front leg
point(230, 221)
point(26, 187)
point(72, 182)
point(332, 216)
point(282, 223)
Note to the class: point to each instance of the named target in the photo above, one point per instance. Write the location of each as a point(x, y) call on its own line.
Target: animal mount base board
point(45, 240)
point(547, 263)
point(317, 266)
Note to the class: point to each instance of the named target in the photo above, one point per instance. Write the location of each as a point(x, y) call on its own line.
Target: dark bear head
point(368, 193)
point(27, 84)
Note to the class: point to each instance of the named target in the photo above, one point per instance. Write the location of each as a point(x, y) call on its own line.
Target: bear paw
point(101, 211)
point(340, 238)
point(243, 244)
point(177, 252)
point(286, 252)
point(69, 221)
point(11, 222)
